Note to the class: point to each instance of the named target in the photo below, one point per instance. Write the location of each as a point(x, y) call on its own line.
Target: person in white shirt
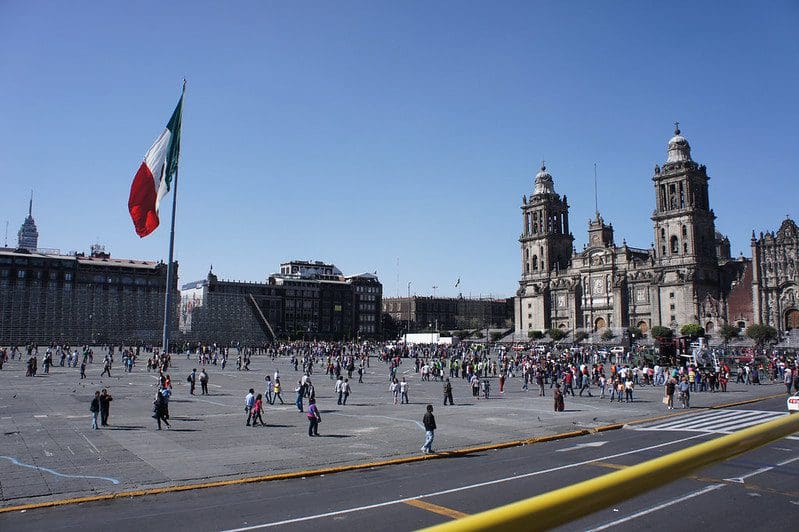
point(404, 391)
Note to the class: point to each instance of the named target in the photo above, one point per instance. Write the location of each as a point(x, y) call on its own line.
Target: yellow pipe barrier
point(561, 506)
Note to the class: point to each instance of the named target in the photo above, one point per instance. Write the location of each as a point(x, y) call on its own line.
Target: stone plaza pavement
point(49, 450)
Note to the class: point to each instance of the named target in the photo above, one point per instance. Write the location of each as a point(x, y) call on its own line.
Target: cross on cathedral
point(676, 128)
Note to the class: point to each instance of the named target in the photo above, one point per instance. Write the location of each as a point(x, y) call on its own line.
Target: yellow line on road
point(436, 509)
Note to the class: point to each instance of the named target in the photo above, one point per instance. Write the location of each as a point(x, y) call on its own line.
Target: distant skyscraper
point(28, 234)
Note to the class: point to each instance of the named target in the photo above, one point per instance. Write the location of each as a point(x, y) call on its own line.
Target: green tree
point(495, 336)
point(761, 334)
point(692, 329)
point(479, 334)
point(535, 335)
point(556, 334)
point(635, 332)
point(728, 332)
point(580, 336)
point(660, 332)
point(607, 334)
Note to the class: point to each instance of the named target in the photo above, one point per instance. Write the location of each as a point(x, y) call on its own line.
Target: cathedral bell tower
point(685, 237)
point(546, 247)
point(683, 221)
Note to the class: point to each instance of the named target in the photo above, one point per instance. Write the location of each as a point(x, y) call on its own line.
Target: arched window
point(662, 233)
point(684, 231)
point(526, 267)
point(535, 262)
point(675, 245)
point(685, 247)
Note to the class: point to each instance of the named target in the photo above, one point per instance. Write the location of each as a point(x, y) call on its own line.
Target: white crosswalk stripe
point(724, 421)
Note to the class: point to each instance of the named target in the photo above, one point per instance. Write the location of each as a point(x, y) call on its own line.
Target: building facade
point(774, 282)
point(306, 300)
point(449, 313)
point(685, 277)
point(79, 299)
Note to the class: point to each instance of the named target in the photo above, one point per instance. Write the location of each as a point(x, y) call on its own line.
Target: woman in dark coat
point(160, 409)
point(559, 403)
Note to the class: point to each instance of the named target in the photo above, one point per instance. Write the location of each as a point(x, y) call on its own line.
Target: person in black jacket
point(105, 405)
point(429, 422)
point(95, 409)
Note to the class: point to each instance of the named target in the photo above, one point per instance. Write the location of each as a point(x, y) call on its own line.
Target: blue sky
point(376, 133)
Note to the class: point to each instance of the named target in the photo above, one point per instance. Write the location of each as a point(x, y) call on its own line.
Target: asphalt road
point(757, 491)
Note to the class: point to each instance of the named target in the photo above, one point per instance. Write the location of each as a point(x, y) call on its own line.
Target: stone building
point(449, 313)
point(774, 281)
point(79, 299)
point(305, 300)
point(685, 277)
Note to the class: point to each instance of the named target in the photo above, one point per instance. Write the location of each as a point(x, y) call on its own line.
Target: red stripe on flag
point(141, 203)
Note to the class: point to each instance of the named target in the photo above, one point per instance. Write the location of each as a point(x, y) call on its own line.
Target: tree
point(495, 336)
point(661, 333)
point(535, 335)
point(728, 332)
point(607, 334)
point(761, 334)
point(692, 329)
point(479, 334)
point(556, 334)
point(580, 336)
point(635, 332)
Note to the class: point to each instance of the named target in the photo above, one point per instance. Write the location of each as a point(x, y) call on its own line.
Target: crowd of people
point(562, 371)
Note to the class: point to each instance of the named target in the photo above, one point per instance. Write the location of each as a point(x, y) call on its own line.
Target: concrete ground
point(49, 450)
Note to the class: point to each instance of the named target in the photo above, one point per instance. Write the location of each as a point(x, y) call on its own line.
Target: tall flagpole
point(170, 270)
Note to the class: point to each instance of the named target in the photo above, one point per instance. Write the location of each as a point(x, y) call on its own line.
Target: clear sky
point(390, 136)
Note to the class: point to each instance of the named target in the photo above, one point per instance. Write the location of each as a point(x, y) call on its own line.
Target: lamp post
point(408, 328)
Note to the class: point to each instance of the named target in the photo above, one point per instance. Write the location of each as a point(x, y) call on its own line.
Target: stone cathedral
point(687, 275)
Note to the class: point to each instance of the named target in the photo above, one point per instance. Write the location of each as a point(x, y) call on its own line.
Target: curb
point(352, 467)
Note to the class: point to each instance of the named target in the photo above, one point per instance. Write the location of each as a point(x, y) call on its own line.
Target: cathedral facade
point(685, 277)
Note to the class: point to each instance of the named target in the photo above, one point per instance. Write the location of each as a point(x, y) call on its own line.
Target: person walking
point(161, 408)
point(270, 386)
point(560, 404)
point(257, 408)
point(404, 391)
point(83, 370)
point(277, 388)
point(204, 382)
point(94, 408)
point(394, 387)
point(314, 418)
point(105, 405)
point(106, 367)
point(345, 391)
point(671, 386)
point(192, 380)
point(429, 422)
point(685, 392)
point(249, 402)
point(300, 392)
point(337, 389)
point(448, 393)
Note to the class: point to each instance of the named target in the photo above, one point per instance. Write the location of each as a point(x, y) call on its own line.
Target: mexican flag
point(155, 176)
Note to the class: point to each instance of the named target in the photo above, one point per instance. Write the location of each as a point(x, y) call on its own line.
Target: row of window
point(367, 289)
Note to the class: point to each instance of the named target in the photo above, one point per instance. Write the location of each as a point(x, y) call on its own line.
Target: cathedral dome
point(543, 182)
point(679, 150)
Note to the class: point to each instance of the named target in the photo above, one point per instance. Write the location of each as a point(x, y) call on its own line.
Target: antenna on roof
point(6, 241)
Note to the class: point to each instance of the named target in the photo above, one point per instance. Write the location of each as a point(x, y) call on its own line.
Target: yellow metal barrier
point(561, 506)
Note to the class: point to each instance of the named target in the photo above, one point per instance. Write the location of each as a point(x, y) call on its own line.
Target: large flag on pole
point(156, 173)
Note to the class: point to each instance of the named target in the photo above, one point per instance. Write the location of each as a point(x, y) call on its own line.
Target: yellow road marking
point(436, 509)
point(609, 465)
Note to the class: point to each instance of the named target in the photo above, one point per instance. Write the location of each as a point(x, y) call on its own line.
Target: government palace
point(687, 276)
